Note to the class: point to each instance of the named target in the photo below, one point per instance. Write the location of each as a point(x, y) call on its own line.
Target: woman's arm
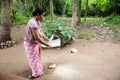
point(37, 37)
point(44, 36)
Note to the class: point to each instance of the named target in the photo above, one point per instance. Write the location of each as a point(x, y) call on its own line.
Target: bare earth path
point(93, 61)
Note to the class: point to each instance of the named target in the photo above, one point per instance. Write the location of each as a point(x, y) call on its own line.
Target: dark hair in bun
point(38, 11)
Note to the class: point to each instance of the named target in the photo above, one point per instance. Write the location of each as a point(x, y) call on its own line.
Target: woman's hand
point(49, 46)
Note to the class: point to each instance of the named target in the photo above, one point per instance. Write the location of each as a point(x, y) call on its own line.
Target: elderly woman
point(31, 42)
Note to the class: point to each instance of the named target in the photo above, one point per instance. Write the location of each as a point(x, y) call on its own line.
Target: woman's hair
point(38, 11)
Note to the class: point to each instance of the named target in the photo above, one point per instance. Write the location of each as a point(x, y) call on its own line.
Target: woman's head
point(39, 14)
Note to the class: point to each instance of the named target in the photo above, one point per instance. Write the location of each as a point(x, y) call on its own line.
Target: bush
point(20, 20)
point(113, 19)
point(59, 29)
point(113, 22)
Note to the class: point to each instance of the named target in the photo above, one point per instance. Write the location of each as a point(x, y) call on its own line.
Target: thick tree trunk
point(79, 11)
point(86, 10)
point(73, 23)
point(5, 27)
point(51, 8)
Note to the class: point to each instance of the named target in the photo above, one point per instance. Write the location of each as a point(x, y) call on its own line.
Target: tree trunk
point(12, 10)
point(64, 8)
point(51, 8)
point(73, 23)
point(79, 11)
point(5, 28)
point(86, 10)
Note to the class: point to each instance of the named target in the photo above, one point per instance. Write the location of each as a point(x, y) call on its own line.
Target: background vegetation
point(102, 11)
point(100, 8)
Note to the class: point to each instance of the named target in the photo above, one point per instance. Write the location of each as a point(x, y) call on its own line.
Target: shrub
point(59, 29)
point(20, 20)
point(113, 19)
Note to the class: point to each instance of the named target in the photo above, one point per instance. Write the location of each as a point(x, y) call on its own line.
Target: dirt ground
point(94, 60)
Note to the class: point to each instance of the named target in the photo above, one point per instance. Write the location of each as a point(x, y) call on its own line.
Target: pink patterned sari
point(32, 49)
point(34, 57)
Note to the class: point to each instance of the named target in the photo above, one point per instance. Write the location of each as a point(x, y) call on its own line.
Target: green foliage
point(101, 7)
point(20, 20)
point(117, 32)
point(68, 9)
point(89, 34)
point(44, 4)
point(23, 12)
point(60, 29)
point(93, 19)
point(113, 22)
point(113, 19)
point(82, 34)
point(63, 7)
point(58, 6)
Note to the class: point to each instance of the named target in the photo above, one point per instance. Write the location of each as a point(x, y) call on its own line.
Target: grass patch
point(20, 20)
point(113, 19)
point(113, 22)
point(93, 19)
point(88, 19)
point(86, 34)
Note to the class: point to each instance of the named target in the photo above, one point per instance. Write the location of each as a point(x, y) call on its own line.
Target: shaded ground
point(95, 60)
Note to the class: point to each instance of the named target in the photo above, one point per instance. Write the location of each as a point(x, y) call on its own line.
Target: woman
point(31, 42)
